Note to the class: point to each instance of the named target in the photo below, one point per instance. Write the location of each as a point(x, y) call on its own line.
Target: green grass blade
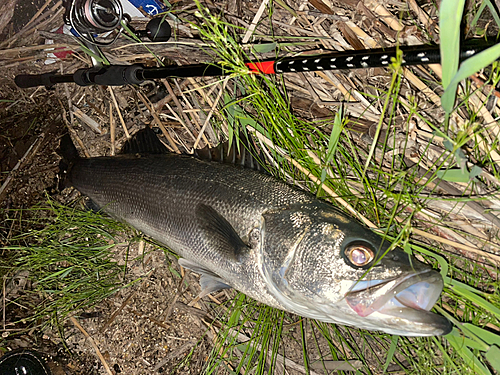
point(487, 336)
point(478, 13)
point(75, 267)
point(443, 263)
point(333, 142)
point(469, 67)
point(493, 11)
point(493, 356)
point(450, 18)
point(454, 175)
point(472, 295)
point(457, 341)
point(304, 347)
point(390, 352)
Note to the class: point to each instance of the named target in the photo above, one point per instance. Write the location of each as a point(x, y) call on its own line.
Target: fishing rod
point(118, 75)
point(95, 22)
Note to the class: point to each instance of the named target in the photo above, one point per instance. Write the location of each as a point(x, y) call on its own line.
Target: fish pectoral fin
point(211, 284)
point(219, 234)
point(195, 267)
point(209, 281)
point(90, 205)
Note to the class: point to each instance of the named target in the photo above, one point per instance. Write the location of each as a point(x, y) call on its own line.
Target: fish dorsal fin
point(67, 149)
point(242, 152)
point(145, 141)
point(219, 233)
point(209, 281)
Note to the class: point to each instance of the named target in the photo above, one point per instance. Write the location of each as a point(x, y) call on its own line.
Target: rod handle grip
point(25, 81)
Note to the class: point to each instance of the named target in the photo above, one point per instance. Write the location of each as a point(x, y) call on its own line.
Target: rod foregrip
point(113, 75)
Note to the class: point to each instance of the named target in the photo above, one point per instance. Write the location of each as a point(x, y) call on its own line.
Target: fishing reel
point(92, 19)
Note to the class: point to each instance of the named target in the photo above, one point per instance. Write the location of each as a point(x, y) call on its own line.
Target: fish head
point(322, 264)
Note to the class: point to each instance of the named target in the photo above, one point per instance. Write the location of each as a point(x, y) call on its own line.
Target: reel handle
point(157, 30)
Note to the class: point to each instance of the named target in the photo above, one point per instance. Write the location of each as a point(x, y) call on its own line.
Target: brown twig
point(158, 122)
point(176, 297)
point(27, 155)
point(160, 103)
point(207, 120)
point(152, 320)
point(112, 129)
point(188, 125)
point(86, 119)
point(480, 83)
point(4, 296)
point(91, 340)
point(175, 353)
point(119, 112)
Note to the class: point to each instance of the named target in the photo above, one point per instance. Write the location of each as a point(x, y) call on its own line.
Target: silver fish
point(243, 229)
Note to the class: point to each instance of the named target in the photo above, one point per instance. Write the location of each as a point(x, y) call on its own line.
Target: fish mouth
point(408, 297)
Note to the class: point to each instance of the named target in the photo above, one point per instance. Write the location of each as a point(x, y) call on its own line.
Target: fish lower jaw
point(408, 323)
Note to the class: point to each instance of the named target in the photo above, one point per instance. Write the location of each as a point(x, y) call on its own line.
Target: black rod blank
point(118, 75)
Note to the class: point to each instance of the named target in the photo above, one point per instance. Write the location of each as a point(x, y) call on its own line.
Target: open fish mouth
point(409, 297)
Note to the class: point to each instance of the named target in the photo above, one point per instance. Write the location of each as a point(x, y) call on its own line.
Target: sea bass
point(239, 228)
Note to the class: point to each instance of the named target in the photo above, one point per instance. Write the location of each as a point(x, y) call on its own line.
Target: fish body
point(247, 230)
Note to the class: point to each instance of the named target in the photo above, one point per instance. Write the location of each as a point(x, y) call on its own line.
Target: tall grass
point(67, 255)
point(470, 298)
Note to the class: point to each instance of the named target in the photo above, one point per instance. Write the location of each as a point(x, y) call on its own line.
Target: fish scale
point(136, 190)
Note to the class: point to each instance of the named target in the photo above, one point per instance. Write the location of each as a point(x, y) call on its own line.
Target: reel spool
point(89, 18)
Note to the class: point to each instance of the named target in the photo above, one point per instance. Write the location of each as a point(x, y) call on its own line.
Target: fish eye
point(359, 254)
